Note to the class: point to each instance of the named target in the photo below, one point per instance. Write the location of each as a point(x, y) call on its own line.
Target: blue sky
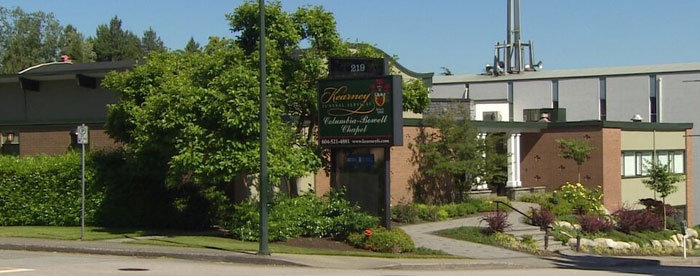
point(427, 35)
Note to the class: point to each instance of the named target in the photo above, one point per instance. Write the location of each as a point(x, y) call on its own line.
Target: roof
point(572, 73)
point(68, 70)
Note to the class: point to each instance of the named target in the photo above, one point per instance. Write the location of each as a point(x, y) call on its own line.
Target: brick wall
point(541, 164)
point(611, 149)
point(54, 140)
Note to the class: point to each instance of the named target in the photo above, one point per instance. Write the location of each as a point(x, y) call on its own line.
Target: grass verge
point(228, 244)
point(73, 232)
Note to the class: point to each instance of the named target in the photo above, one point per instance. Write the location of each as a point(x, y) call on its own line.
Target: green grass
point(191, 239)
point(228, 244)
point(73, 232)
point(469, 233)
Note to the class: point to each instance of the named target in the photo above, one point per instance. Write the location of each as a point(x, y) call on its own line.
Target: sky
point(428, 35)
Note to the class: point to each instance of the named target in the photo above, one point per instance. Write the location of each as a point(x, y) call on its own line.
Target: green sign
point(361, 112)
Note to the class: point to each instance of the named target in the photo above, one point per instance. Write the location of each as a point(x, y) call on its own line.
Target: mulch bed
point(320, 243)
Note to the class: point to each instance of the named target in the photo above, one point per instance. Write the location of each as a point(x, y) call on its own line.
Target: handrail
point(513, 208)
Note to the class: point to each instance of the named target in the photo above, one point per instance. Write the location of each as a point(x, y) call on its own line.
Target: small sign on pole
point(82, 135)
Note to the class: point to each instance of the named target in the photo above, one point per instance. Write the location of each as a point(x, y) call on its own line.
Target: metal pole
point(82, 192)
point(387, 188)
point(263, 250)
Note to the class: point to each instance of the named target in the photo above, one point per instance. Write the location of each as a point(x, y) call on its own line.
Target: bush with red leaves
point(542, 217)
point(638, 220)
point(655, 207)
point(594, 224)
point(497, 221)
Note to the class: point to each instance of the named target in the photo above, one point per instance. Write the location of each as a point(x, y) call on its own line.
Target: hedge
point(45, 190)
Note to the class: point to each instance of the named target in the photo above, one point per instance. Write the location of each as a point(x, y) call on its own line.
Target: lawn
point(209, 239)
point(73, 232)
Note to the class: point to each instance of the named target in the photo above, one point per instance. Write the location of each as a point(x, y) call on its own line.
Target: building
point(657, 93)
point(41, 106)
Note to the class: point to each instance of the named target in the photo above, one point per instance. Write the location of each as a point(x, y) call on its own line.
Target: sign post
point(82, 136)
point(360, 106)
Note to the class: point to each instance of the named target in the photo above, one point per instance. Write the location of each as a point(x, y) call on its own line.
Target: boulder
point(690, 233)
point(634, 245)
point(602, 242)
point(621, 245)
point(696, 243)
point(656, 244)
point(675, 240)
point(669, 244)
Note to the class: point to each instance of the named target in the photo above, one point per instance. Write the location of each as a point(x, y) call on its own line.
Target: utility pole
point(263, 250)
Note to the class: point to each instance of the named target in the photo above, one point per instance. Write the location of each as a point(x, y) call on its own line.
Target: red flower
point(368, 232)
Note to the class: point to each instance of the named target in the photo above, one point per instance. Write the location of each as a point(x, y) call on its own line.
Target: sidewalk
point(422, 236)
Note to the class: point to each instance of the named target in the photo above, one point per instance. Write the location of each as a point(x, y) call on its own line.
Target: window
point(653, 99)
point(510, 101)
point(675, 160)
point(635, 163)
point(555, 94)
point(603, 96)
point(10, 143)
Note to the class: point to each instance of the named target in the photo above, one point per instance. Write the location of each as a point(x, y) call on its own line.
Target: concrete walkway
point(422, 236)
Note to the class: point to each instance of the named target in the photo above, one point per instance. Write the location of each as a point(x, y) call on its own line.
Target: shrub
point(638, 220)
point(381, 240)
point(594, 224)
point(497, 221)
point(542, 217)
point(407, 213)
point(46, 190)
point(584, 201)
point(303, 216)
point(655, 207)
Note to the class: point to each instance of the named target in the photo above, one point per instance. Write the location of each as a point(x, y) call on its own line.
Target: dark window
point(10, 143)
point(510, 101)
point(603, 104)
point(653, 99)
point(555, 94)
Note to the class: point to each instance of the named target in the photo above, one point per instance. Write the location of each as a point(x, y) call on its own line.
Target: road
point(24, 263)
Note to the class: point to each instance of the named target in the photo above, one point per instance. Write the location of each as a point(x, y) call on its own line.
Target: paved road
point(40, 263)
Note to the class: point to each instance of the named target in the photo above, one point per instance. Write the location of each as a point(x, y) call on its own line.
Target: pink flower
point(368, 233)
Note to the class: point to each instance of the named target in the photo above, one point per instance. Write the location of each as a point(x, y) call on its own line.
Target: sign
point(364, 112)
point(357, 67)
point(82, 134)
point(359, 160)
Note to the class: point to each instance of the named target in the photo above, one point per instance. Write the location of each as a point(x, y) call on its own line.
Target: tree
point(73, 44)
point(195, 115)
point(661, 180)
point(455, 155)
point(578, 150)
point(111, 43)
point(27, 39)
point(151, 42)
point(192, 46)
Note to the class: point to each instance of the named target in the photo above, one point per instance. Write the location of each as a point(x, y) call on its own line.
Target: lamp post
point(263, 249)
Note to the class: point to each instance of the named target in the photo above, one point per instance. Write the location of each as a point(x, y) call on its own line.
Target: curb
point(142, 252)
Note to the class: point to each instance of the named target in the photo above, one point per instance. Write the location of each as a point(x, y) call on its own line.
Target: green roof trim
point(562, 125)
point(643, 126)
point(427, 78)
point(52, 123)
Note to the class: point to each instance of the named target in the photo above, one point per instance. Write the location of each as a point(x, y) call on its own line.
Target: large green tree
point(111, 43)
point(150, 42)
point(195, 114)
point(192, 46)
point(27, 39)
point(73, 44)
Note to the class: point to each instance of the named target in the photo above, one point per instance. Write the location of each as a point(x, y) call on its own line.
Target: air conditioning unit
point(491, 116)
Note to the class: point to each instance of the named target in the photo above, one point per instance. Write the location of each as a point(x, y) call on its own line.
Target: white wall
point(501, 107)
point(531, 95)
point(580, 98)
